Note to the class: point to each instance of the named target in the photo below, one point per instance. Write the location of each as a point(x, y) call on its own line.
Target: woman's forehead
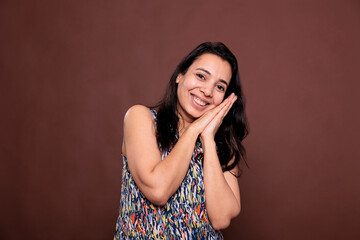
point(214, 65)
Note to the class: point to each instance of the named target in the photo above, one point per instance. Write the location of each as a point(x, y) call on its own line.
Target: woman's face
point(203, 86)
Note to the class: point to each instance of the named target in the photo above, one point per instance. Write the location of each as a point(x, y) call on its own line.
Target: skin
point(201, 110)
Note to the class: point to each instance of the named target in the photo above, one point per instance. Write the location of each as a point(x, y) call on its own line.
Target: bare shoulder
point(138, 114)
point(138, 110)
point(139, 129)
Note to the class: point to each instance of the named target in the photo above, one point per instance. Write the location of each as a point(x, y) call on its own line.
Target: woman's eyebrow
point(204, 70)
point(224, 82)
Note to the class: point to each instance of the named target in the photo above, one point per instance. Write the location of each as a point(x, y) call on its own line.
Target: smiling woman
point(203, 86)
point(185, 150)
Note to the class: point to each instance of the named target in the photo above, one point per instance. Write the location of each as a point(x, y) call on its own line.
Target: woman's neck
point(183, 124)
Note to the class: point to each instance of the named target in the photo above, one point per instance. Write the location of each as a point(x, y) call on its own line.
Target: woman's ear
point(178, 78)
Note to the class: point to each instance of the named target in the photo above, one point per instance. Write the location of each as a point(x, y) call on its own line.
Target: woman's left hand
point(211, 129)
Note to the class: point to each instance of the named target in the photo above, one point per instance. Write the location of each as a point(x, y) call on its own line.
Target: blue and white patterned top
point(184, 215)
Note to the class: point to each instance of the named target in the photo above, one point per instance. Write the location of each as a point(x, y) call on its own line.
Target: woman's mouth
point(199, 101)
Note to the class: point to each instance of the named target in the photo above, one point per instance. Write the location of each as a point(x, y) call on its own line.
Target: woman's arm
point(157, 179)
point(221, 189)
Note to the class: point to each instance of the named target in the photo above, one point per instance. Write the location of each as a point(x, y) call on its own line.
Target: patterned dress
point(184, 215)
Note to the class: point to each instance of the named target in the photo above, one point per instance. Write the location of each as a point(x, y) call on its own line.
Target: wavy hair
point(234, 126)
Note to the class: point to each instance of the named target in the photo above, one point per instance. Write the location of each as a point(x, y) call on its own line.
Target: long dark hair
point(234, 126)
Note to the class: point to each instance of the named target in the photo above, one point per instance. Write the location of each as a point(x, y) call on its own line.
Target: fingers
point(224, 105)
point(229, 100)
point(224, 111)
point(217, 114)
point(212, 127)
point(230, 105)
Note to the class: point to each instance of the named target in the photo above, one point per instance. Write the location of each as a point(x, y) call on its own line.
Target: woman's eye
point(221, 88)
point(200, 76)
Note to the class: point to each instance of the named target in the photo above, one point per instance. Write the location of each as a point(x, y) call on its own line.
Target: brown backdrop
point(70, 69)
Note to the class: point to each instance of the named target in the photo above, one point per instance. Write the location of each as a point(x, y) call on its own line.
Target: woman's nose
point(207, 90)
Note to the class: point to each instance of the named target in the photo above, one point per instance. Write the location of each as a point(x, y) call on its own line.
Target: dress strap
point(154, 115)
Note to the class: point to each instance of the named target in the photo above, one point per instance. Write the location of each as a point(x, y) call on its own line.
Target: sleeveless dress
point(184, 215)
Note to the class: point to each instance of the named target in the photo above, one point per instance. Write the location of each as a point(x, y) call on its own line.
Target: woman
point(184, 151)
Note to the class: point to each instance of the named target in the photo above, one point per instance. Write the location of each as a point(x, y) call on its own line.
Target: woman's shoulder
point(139, 114)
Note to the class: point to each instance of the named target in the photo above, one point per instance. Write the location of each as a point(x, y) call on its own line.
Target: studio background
point(69, 70)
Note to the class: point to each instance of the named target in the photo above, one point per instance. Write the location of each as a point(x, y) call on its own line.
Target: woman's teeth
point(199, 101)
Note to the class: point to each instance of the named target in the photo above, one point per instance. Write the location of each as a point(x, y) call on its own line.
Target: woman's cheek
point(192, 84)
point(220, 100)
